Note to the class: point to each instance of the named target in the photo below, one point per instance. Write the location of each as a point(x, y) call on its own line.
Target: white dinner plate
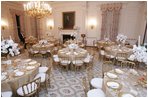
point(113, 85)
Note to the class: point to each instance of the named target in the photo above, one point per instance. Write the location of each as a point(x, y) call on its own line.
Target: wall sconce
point(3, 24)
point(50, 24)
point(92, 23)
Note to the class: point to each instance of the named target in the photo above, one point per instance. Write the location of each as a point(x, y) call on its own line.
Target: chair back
point(31, 88)
point(106, 66)
point(64, 61)
point(48, 71)
point(78, 59)
point(89, 72)
point(122, 54)
point(85, 85)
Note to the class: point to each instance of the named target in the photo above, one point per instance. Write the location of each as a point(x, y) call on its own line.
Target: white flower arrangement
point(8, 46)
point(43, 42)
point(73, 46)
point(139, 54)
point(74, 34)
point(121, 38)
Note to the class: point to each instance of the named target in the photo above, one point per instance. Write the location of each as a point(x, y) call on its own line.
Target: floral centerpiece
point(9, 47)
point(121, 38)
point(139, 54)
point(73, 46)
point(42, 42)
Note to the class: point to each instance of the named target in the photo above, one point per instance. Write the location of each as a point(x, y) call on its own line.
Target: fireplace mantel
point(66, 32)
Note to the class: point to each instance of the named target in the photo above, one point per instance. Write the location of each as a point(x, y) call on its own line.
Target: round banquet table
point(116, 49)
point(128, 81)
point(13, 78)
point(105, 43)
point(42, 47)
point(71, 53)
point(78, 42)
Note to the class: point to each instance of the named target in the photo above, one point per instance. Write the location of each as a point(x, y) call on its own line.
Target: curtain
point(14, 12)
point(110, 20)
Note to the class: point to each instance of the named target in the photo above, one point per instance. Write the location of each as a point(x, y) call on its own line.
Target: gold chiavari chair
point(89, 72)
point(65, 63)
point(122, 56)
point(29, 89)
point(6, 90)
point(128, 63)
point(85, 85)
point(48, 73)
point(78, 63)
point(106, 66)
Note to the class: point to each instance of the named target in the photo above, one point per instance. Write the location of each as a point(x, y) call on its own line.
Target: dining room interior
point(73, 48)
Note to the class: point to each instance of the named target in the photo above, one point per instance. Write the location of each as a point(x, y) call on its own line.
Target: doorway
point(20, 35)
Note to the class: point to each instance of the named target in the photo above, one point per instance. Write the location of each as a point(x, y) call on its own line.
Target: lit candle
point(2, 37)
point(139, 41)
point(10, 37)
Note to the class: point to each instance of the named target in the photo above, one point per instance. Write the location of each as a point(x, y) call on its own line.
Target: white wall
point(132, 19)
point(130, 23)
point(7, 17)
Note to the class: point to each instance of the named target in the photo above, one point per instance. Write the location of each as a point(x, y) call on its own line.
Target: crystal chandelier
point(37, 9)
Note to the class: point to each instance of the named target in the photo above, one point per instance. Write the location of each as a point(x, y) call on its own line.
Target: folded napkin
point(3, 77)
point(75, 53)
point(9, 62)
point(133, 71)
point(16, 70)
point(68, 53)
point(30, 67)
point(27, 60)
point(33, 62)
point(119, 71)
point(4, 73)
point(114, 85)
point(62, 52)
point(134, 92)
point(111, 75)
point(17, 60)
point(127, 95)
point(19, 73)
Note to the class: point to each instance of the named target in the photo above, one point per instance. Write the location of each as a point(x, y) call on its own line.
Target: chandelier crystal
point(37, 9)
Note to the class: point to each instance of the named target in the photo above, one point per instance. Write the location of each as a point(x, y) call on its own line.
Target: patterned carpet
point(66, 84)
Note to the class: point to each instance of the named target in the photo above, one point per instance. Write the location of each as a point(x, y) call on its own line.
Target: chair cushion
point(86, 60)
point(55, 56)
point(56, 59)
point(95, 93)
point(102, 52)
point(43, 52)
point(42, 75)
point(43, 69)
point(36, 51)
point(6, 94)
point(110, 56)
point(79, 62)
point(120, 58)
point(65, 62)
point(48, 50)
point(97, 82)
point(30, 87)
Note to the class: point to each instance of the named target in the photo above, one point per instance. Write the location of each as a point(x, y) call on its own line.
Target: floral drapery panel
point(110, 20)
